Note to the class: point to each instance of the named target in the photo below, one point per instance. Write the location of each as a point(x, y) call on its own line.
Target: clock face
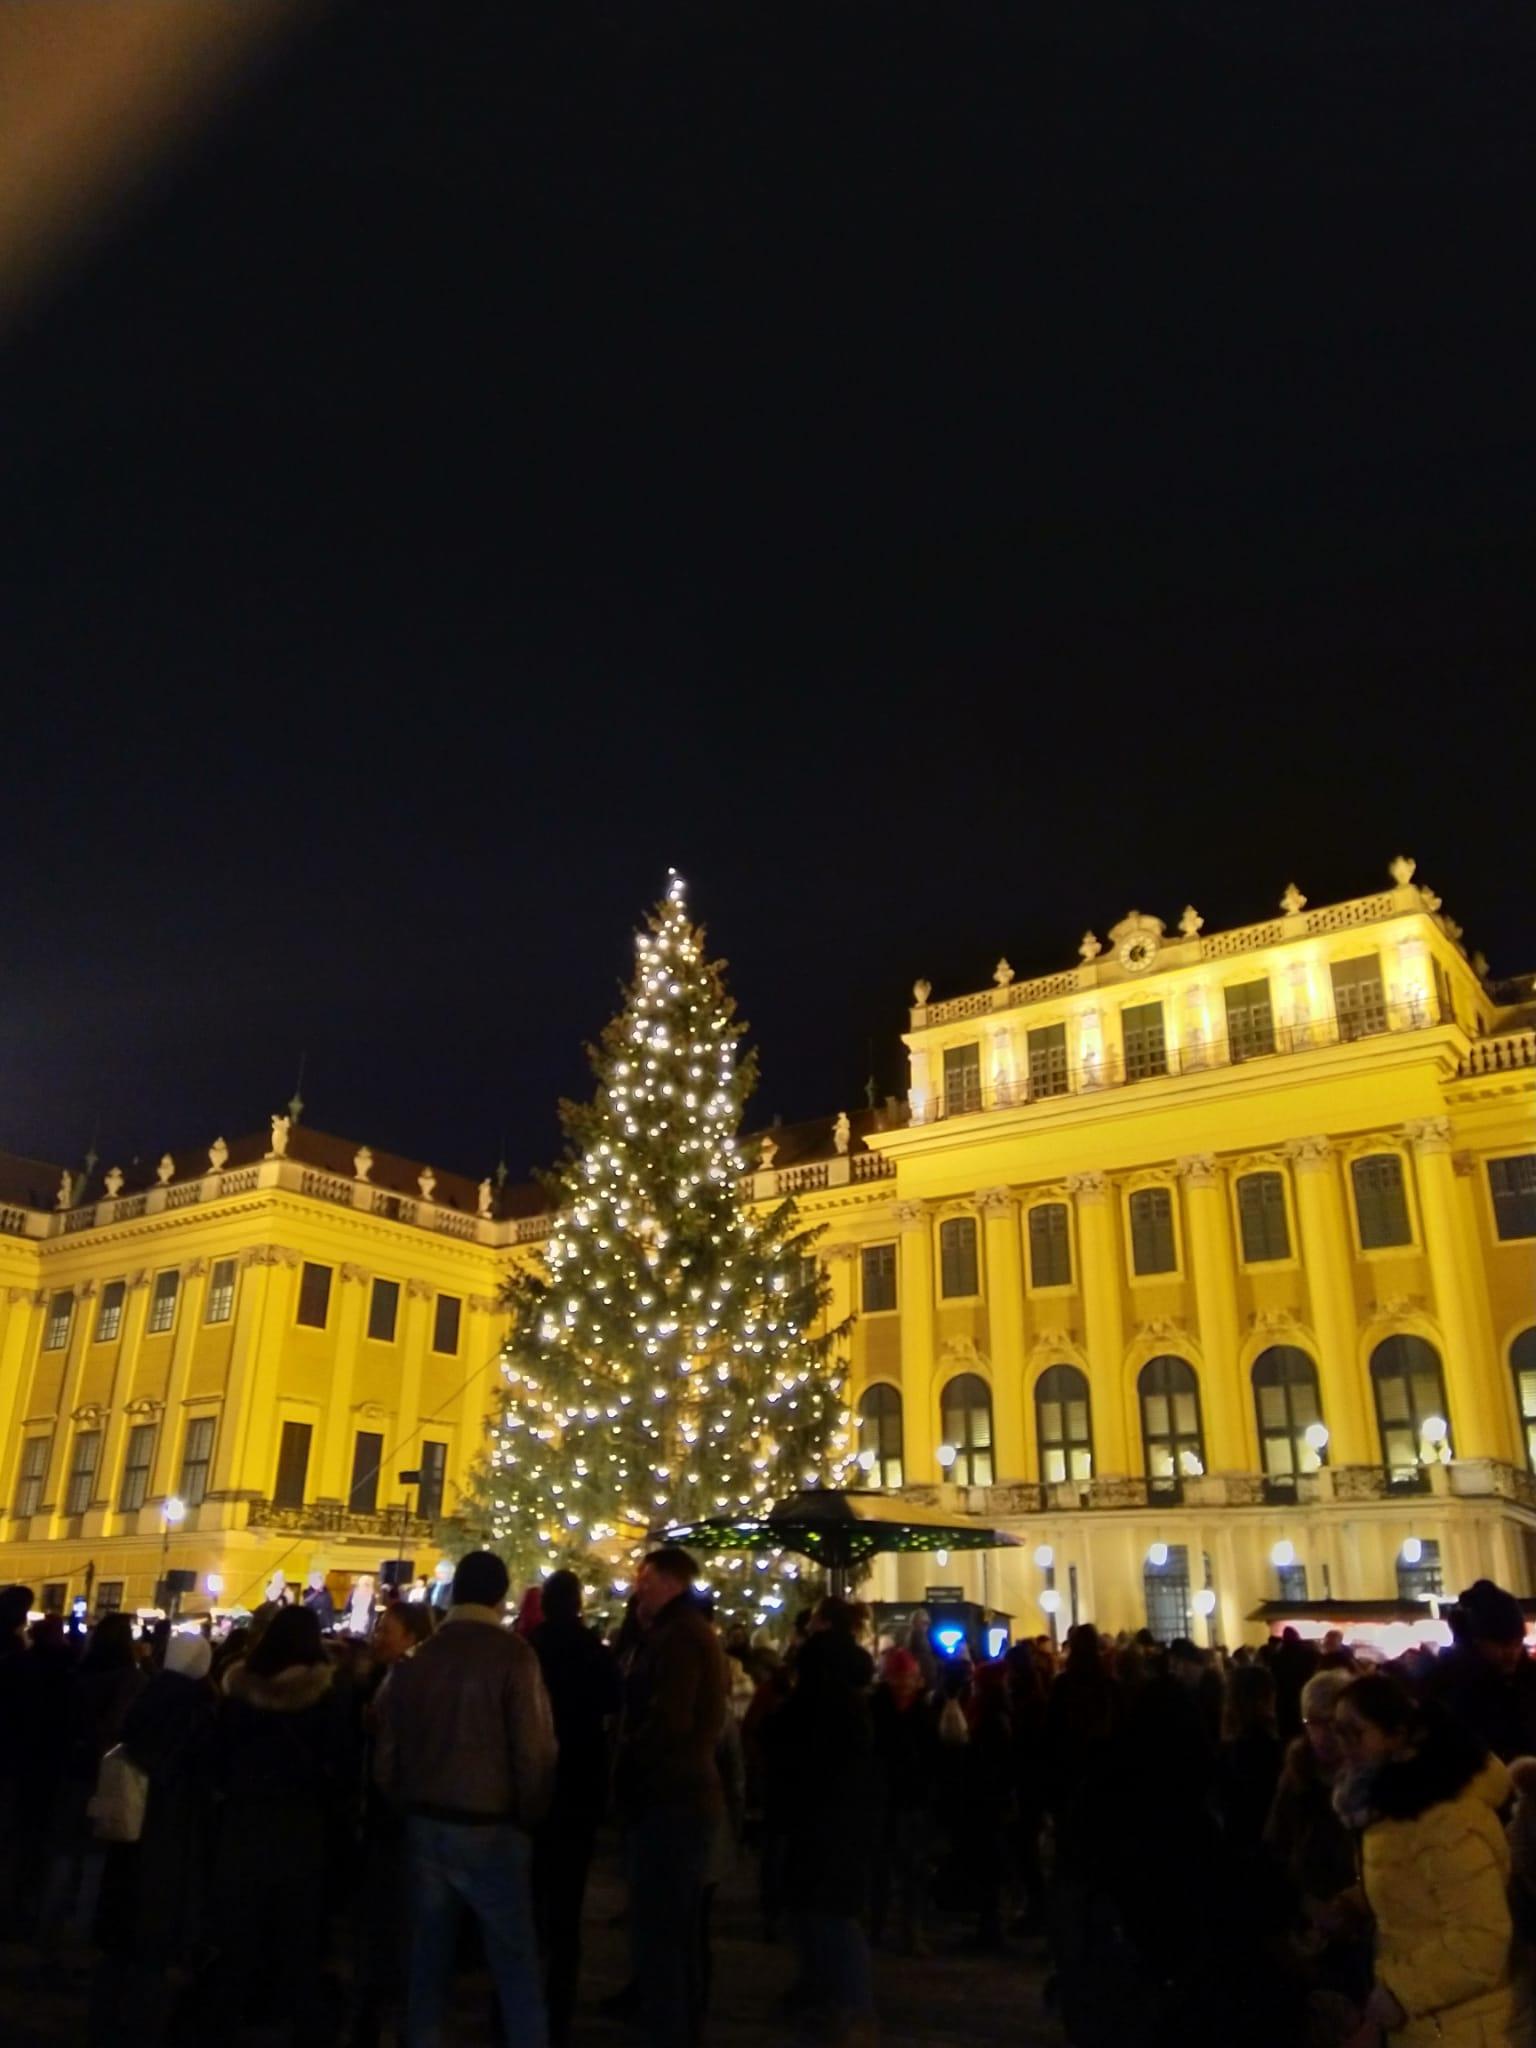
point(1138, 952)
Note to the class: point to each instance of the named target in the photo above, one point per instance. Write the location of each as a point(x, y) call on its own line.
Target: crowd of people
point(300, 1831)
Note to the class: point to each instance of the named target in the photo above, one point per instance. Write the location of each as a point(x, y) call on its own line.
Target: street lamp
point(173, 1512)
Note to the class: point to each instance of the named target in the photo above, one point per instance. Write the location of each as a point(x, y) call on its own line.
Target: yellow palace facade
point(1206, 1266)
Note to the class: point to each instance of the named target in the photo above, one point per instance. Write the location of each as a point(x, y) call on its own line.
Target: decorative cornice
point(1161, 1330)
point(144, 1404)
point(195, 1269)
point(1271, 1319)
point(909, 1215)
point(1198, 1169)
point(481, 1304)
point(994, 1202)
point(1399, 1305)
point(1088, 1187)
point(1428, 1135)
point(350, 1272)
point(419, 1290)
point(1309, 1155)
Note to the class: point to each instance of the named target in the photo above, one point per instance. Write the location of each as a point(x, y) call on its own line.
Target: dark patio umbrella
point(842, 1529)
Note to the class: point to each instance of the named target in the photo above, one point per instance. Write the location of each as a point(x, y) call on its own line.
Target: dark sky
point(940, 475)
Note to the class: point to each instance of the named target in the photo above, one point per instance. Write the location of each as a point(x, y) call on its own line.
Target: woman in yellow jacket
point(1435, 1867)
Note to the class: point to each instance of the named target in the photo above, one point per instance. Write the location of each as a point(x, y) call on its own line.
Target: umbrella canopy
point(841, 1528)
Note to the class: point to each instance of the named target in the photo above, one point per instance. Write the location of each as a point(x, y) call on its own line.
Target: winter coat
point(1435, 1865)
point(155, 1890)
point(582, 1679)
point(285, 1767)
point(906, 1751)
point(676, 1698)
point(821, 1779)
point(1499, 1708)
point(1305, 1833)
point(1247, 1770)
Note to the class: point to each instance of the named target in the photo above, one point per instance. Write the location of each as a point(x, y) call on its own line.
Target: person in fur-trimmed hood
point(1425, 1795)
point(286, 1765)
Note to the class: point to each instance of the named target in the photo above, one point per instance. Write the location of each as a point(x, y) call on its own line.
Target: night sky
point(938, 475)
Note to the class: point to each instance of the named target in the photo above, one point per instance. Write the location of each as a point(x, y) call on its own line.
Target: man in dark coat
point(581, 1676)
point(1485, 1680)
point(669, 1794)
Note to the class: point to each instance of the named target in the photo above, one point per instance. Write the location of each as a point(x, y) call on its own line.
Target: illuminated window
point(1359, 1000)
point(1166, 1586)
point(1050, 1245)
point(1048, 1060)
point(1410, 1392)
point(109, 1596)
point(445, 1325)
point(880, 1435)
point(1062, 1422)
point(61, 1313)
point(962, 1079)
point(434, 1471)
point(82, 1471)
point(314, 1296)
point(1250, 1020)
point(1152, 1241)
point(162, 1305)
point(1512, 1183)
point(1381, 1201)
point(1170, 1425)
point(1146, 1050)
point(1522, 1359)
point(878, 1278)
point(383, 1310)
point(1420, 1576)
point(1262, 1219)
point(137, 1460)
point(196, 1460)
point(34, 1470)
point(221, 1292)
point(957, 1257)
point(1286, 1397)
point(965, 1411)
point(109, 1312)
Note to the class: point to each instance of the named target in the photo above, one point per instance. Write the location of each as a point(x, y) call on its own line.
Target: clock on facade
point(1138, 951)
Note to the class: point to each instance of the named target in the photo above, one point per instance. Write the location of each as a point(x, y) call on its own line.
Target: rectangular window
point(109, 1313)
point(962, 1079)
point(383, 1310)
point(1152, 1243)
point(1381, 1201)
point(221, 1292)
point(1261, 1215)
point(1421, 1577)
point(434, 1470)
point(196, 1460)
point(1047, 1046)
point(1250, 1020)
point(55, 1593)
point(61, 1313)
point(109, 1596)
point(957, 1257)
point(82, 1471)
point(1512, 1183)
point(367, 1456)
point(1050, 1246)
point(292, 1465)
point(34, 1470)
point(136, 1463)
point(314, 1296)
point(445, 1324)
point(878, 1278)
point(1293, 1581)
point(1146, 1050)
point(162, 1305)
point(1359, 1000)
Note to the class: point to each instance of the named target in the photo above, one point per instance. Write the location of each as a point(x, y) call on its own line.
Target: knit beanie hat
point(189, 1656)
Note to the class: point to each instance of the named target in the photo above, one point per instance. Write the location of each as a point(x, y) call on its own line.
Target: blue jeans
point(486, 1869)
point(668, 1858)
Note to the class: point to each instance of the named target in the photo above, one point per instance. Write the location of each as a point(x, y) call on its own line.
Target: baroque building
point(1206, 1267)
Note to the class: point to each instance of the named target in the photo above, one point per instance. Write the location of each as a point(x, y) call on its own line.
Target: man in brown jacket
point(669, 1792)
point(466, 1750)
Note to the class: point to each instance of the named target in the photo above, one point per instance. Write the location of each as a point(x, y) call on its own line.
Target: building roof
point(28, 1183)
point(797, 1144)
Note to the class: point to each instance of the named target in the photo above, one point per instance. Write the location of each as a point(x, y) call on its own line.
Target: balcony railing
point(330, 1520)
point(1501, 1055)
point(1115, 1069)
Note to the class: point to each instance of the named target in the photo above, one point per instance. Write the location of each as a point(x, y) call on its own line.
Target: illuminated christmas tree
point(662, 1366)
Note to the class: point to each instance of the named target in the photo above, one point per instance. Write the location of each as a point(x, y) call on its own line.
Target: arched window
point(1170, 1425)
point(880, 1435)
point(1522, 1362)
point(1410, 1405)
point(1063, 1423)
point(965, 1412)
point(1285, 1395)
